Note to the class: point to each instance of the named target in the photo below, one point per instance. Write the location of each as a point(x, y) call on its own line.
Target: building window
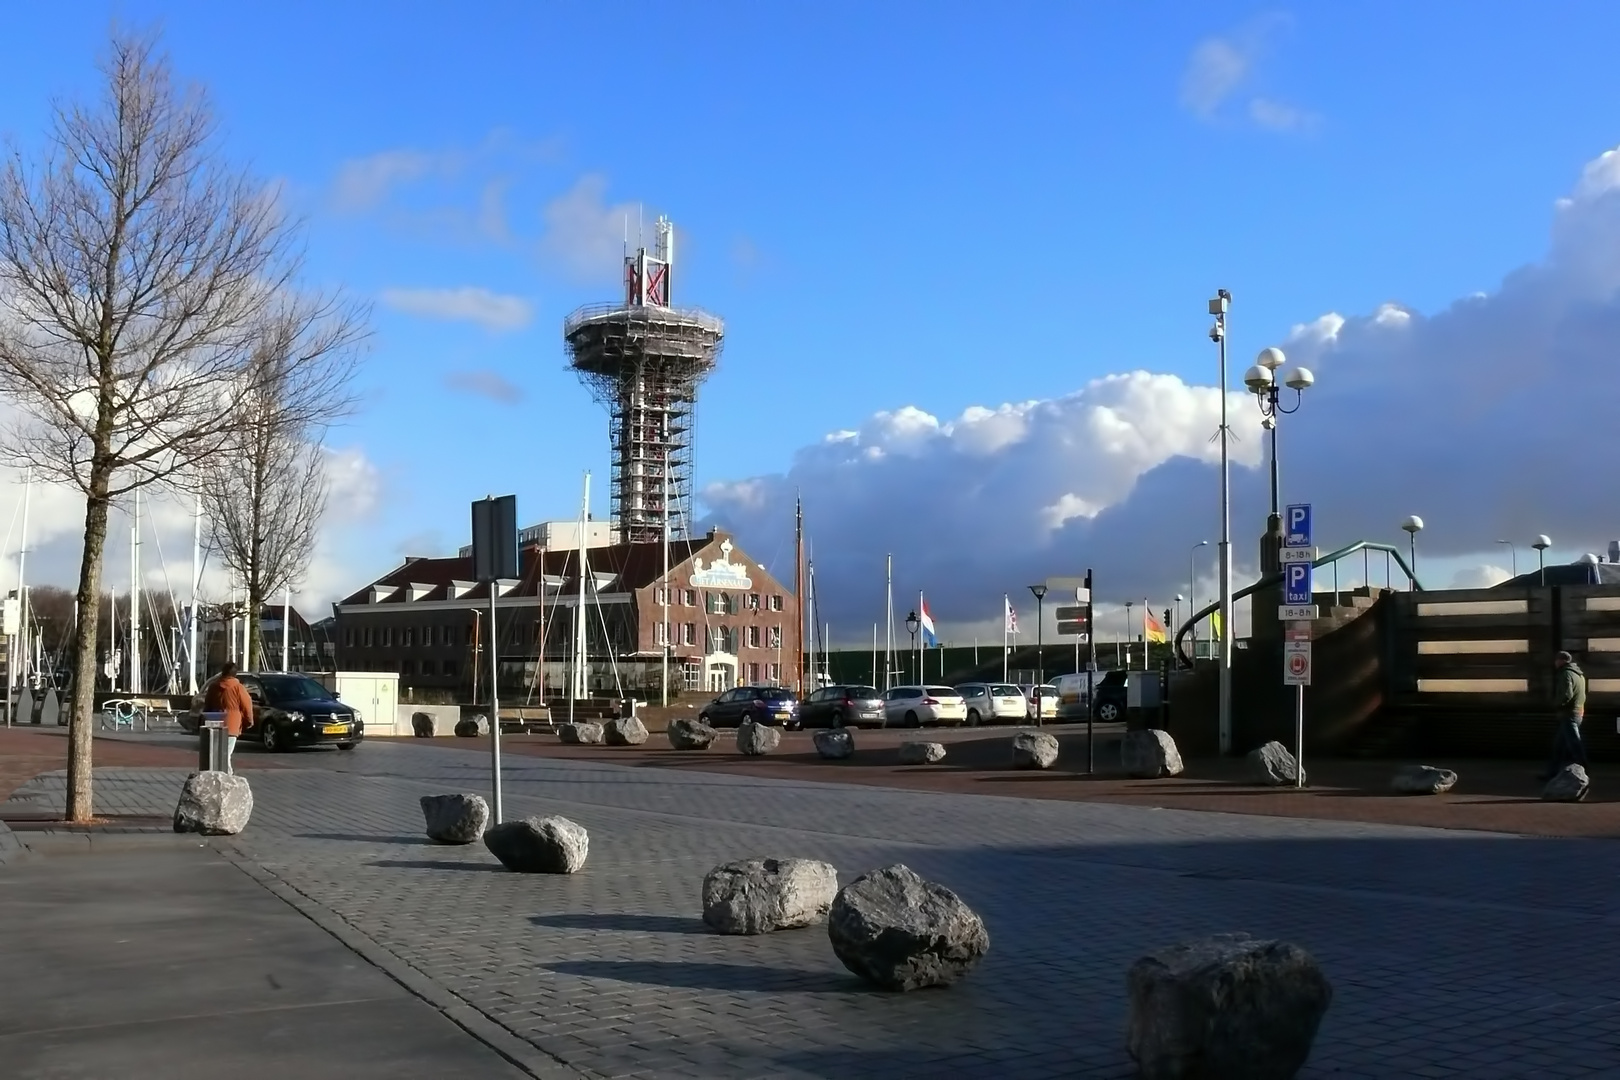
point(689, 597)
point(732, 603)
point(427, 635)
point(409, 634)
point(753, 601)
point(689, 634)
point(753, 674)
point(348, 638)
point(753, 637)
point(660, 634)
point(661, 596)
point(773, 638)
point(776, 674)
point(370, 637)
point(692, 674)
point(776, 603)
point(407, 667)
point(450, 668)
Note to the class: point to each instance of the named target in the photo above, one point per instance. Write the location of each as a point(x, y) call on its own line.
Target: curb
point(520, 1052)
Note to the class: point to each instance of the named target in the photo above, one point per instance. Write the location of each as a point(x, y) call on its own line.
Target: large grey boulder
point(1422, 780)
point(624, 731)
point(473, 726)
point(423, 725)
point(756, 739)
point(455, 819)
point(1034, 750)
point(1150, 754)
point(580, 733)
point(687, 734)
point(1273, 765)
point(1570, 785)
point(921, 753)
point(834, 744)
point(1227, 1006)
point(539, 845)
point(900, 932)
point(214, 804)
point(756, 896)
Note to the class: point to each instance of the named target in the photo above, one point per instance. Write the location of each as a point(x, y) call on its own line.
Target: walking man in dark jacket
point(1569, 705)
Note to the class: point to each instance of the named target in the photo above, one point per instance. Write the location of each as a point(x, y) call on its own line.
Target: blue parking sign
point(1297, 525)
point(1296, 583)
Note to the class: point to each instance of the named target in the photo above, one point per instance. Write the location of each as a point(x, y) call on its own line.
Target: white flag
point(1012, 616)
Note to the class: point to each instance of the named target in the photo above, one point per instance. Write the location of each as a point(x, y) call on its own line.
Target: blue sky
point(934, 206)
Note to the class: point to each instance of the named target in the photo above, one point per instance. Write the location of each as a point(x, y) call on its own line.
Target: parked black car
point(1112, 696)
point(774, 705)
point(842, 706)
point(289, 711)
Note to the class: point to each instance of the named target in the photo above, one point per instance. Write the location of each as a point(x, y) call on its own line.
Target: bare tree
point(265, 494)
point(137, 274)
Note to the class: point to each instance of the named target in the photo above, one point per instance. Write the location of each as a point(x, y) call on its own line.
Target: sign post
point(495, 558)
point(1298, 555)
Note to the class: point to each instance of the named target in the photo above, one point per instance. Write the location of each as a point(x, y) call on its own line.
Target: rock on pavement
point(1422, 780)
point(900, 932)
point(756, 896)
point(1570, 785)
point(921, 753)
point(1272, 764)
point(1150, 754)
point(580, 733)
point(834, 744)
point(539, 845)
point(473, 726)
point(1225, 1006)
point(687, 734)
point(214, 804)
point(1034, 750)
point(455, 819)
point(756, 739)
point(624, 731)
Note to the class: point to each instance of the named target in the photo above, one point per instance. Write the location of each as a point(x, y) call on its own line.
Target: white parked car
point(914, 706)
point(993, 703)
point(1046, 695)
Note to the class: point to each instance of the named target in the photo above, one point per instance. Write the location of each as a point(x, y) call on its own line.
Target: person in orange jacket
point(227, 695)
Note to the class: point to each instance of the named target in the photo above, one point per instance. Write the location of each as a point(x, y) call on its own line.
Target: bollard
point(211, 736)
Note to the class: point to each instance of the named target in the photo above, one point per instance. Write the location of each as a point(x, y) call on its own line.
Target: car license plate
point(783, 715)
point(870, 715)
point(335, 729)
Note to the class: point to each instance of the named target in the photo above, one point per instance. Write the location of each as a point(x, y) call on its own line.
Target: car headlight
point(355, 716)
point(295, 716)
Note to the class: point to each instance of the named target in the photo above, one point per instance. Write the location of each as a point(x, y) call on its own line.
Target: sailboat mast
point(22, 586)
point(196, 584)
point(810, 613)
point(135, 598)
point(798, 589)
point(888, 635)
point(581, 642)
point(664, 591)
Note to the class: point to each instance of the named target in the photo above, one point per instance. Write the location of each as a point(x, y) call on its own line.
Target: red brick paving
point(1497, 796)
point(25, 752)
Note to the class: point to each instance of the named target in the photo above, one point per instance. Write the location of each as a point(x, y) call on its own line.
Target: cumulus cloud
point(1221, 69)
point(491, 310)
point(1492, 418)
point(1479, 577)
point(485, 383)
point(364, 183)
point(585, 235)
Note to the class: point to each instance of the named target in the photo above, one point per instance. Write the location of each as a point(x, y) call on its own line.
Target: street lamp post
point(1217, 333)
point(1040, 650)
point(1130, 634)
point(1261, 379)
point(1543, 542)
point(1192, 592)
point(1177, 620)
point(1513, 552)
point(912, 625)
point(1413, 525)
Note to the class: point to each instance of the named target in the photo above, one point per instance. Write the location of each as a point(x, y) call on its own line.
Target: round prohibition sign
point(1298, 664)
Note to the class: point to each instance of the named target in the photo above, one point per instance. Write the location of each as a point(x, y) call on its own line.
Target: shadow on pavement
point(632, 923)
point(687, 975)
point(372, 838)
point(440, 864)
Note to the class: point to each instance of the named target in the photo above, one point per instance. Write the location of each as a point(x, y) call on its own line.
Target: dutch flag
point(928, 625)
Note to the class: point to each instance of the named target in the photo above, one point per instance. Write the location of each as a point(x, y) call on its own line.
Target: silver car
point(993, 703)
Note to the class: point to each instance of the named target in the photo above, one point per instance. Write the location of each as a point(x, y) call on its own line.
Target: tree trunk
point(81, 717)
point(255, 630)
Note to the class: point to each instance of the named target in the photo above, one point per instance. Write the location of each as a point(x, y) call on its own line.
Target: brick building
point(730, 622)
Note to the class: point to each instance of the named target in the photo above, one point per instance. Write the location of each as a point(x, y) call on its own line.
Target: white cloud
point(485, 383)
point(1491, 419)
point(491, 310)
point(366, 182)
point(1216, 68)
point(1222, 67)
point(584, 234)
point(1281, 116)
point(1479, 577)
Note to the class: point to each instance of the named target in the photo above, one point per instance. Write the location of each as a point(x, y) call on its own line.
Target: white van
point(1073, 700)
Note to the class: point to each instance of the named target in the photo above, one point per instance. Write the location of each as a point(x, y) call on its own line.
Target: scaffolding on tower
point(643, 359)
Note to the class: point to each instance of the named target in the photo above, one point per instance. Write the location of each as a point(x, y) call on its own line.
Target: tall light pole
point(1040, 650)
point(1514, 554)
point(912, 624)
point(1217, 333)
point(1192, 592)
point(1413, 525)
point(1177, 620)
point(1130, 634)
point(1543, 542)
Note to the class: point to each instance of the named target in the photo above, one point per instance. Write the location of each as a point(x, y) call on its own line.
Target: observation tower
point(644, 359)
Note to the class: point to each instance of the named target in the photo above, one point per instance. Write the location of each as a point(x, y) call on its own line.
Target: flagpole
point(922, 644)
point(888, 633)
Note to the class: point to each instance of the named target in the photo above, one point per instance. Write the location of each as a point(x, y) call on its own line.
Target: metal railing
point(1366, 547)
